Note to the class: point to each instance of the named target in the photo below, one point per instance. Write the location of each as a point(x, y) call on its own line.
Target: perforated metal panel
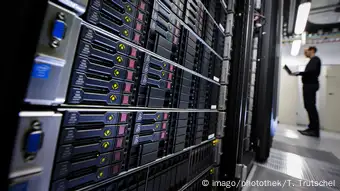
point(307, 152)
point(303, 168)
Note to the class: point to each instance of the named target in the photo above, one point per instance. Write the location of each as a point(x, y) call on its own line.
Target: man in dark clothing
point(310, 83)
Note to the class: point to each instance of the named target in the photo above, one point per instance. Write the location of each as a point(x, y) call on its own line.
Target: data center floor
point(298, 162)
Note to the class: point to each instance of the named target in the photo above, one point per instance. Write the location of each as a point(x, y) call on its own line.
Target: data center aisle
point(296, 161)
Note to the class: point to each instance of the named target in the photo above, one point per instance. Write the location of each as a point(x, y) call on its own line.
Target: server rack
point(117, 100)
point(239, 59)
point(142, 95)
point(248, 132)
point(265, 122)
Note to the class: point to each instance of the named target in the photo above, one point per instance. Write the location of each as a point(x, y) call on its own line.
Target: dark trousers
point(309, 98)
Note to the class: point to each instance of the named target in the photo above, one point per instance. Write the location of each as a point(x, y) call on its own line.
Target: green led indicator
point(128, 8)
point(126, 32)
point(106, 145)
point(115, 86)
point(119, 59)
point(100, 174)
point(116, 72)
point(113, 98)
point(103, 160)
point(110, 118)
point(127, 19)
point(121, 46)
point(107, 133)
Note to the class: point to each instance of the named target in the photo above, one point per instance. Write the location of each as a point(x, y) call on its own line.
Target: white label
point(211, 136)
point(216, 79)
point(213, 107)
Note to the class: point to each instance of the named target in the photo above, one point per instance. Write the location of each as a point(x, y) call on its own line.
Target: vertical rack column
point(236, 51)
point(224, 80)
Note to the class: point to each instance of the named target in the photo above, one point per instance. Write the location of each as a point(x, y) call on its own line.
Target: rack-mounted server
point(100, 70)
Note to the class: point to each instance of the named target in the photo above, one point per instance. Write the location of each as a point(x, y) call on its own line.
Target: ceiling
point(324, 15)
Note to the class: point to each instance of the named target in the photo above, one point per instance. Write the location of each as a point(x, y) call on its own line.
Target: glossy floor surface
point(298, 162)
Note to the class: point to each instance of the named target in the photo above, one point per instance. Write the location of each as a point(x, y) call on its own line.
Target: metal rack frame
point(237, 91)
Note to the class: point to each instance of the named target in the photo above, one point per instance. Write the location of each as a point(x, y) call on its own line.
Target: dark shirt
point(312, 71)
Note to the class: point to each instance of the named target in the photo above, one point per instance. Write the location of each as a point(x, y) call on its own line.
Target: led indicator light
point(126, 32)
point(107, 133)
point(164, 65)
point(113, 98)
point(100, 174)
point(116, 72)
point(128, 8)
point(110, 118)
point(158, 116)
point(121, 46)
point(119, 59)
point(115, 86)
point(102, 160)
point(163, 73)
point(106, 145)
point(127, 19)
point(157, 126)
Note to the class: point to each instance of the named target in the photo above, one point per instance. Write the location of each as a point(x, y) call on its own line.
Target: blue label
point(19, 187)
point(41, 70)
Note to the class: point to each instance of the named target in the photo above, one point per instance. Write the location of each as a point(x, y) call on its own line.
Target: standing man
point(310, 81)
